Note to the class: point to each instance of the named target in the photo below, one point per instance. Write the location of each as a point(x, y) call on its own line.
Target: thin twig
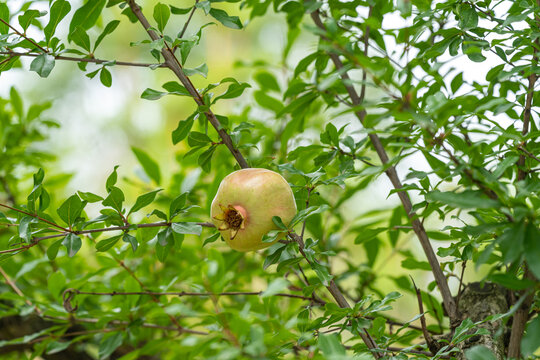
point(186, 293)
point(432, 345)
point(522, 174)
point(461, 282)
point(35, 216)
point(24, 36)
point(181, 35)
point(364, 71)
point(36, 240)
point(529, 154)
point(86, 60)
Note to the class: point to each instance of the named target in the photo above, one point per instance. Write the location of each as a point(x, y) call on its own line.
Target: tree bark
point(477, 302)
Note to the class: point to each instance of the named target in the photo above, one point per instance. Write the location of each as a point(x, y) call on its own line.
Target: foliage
point(462, 157)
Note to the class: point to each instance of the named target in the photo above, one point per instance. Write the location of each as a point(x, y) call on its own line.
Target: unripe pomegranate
point(245, 203)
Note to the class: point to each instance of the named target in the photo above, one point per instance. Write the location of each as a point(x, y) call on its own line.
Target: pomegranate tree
point(245, 203)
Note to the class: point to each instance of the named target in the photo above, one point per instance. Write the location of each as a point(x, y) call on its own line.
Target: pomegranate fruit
point(245, 203)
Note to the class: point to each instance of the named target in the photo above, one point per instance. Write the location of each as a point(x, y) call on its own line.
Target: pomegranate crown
point(231, 219)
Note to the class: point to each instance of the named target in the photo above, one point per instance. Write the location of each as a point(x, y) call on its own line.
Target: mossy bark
point(477, 302)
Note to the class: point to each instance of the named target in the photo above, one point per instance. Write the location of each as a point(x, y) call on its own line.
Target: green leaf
point(510, 281)
point(130, 239)
point(111, 180)
point(160, 214)
point(456, 83)
point(279, 223)
point(52, 250)
point(271, 236)
point(330, 346)
point(176, 205)
point(505, 164)
point(304, 214)
point(465, 200)
point(187, 228)
point(529, 342)
point(26, 19)
point(304, 63)
point(72, 243)
point(109, 343)
point(199, 70)
point(81, 38)
point(175, 88)
point(413, 264)
point(165, 241)
point(16, 102)
point(479, 352)
point(211, 239)
point(268, 102)
point(322, 273)
point(234, 90)
point(512, 242)
point(144, 200)
point(43, 65)
point(205, 5)
point(25, 232)
point(179, 11)
point(57, 346)
point(87, 15)
point(162, 13)
point(151, 94)
point(89, 197)
point(196, 138)
point(151, 168)
point(59, 10)
point(71, 209)
point(468, 18)
point(275, 287)
point(532, 248)
point(232, 22)
point(267, 81)
point(56, 283)
point(205, 159)
point(182, 130)
point(114, 199)
point(111, 26)
point(298, 103)
point(106, 244)
point(105, 77)
point(4, 14)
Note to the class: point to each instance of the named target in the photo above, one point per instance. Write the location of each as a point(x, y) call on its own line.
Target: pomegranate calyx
point(231, 218)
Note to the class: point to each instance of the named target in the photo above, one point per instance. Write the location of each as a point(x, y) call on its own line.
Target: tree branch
point(391, 172)
point(37, 240)
point(172, 62)
point(35, 216)
point(24, 36)
point(85, 60)
point(187, 293)
point(181, 35)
